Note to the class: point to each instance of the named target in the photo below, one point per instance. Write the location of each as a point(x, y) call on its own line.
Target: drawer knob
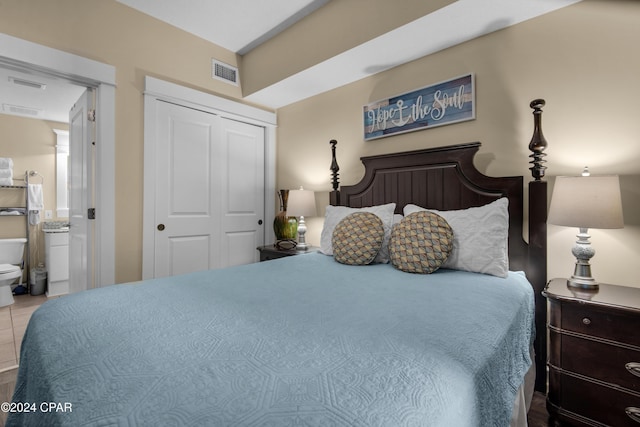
point(634, 368)
point(633, 413)
point(586, 321)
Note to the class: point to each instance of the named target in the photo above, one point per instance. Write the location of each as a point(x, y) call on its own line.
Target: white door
point(81, 137)
point(196, 169)
point(242, 203)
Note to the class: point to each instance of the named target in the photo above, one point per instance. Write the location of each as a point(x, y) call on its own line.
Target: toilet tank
point(12, 250)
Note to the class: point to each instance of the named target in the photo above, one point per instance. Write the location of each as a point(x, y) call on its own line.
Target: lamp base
point(582, 282)
point(583, 251)
point(302, 230)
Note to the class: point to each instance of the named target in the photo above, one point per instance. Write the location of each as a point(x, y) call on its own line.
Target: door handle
point(259, 222)
point(160, 227)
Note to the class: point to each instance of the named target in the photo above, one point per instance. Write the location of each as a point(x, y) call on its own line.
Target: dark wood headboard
point(441, 178)
point(445, 178)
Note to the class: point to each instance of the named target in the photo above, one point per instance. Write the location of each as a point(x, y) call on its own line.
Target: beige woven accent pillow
point(420, 243)
point(481, 236)
point(335, 214)
point(357, 238)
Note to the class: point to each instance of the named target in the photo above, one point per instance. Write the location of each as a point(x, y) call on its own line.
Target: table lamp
point(586, 202)
point(302, 203)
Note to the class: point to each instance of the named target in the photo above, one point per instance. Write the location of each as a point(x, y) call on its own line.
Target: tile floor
point(13, 322)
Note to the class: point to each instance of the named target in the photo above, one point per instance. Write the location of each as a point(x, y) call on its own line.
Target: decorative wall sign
point(440, 104)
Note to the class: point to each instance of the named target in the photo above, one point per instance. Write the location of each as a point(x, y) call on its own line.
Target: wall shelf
point(24, 214)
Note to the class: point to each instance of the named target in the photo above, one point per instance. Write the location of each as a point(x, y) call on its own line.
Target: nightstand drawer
point(604, 362)
point(597, 402)
point(615, 325)
point(594, 349)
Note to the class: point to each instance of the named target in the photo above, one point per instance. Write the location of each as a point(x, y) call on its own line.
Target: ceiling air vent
point(27, 83)
point(21, 111)
point(224, 72)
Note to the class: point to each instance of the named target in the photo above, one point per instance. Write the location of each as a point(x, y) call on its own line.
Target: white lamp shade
point(586, 202)
point(301, 203)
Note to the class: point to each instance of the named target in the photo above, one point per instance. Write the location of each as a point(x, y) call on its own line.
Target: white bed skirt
point(523, 397)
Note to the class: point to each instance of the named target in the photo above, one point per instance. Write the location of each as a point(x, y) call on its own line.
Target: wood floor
point(538, 415)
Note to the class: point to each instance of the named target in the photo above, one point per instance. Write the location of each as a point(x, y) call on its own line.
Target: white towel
point(6, 173)
point(6, 163)
point(6, 181)
point(36, 201)
point(34, 217)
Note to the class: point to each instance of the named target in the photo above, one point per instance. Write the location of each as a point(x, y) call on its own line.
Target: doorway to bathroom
point(38, 60)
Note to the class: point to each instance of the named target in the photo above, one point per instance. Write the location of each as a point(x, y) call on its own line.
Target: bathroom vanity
point(57, 261)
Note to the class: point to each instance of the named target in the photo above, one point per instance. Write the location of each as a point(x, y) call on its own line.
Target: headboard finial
point(538, 144)
point(334, 165)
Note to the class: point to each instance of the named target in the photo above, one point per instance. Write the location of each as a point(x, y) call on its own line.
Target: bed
point(306, 340)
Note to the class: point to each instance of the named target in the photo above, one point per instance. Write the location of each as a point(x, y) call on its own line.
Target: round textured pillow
point(357, 238)
point(420, 243)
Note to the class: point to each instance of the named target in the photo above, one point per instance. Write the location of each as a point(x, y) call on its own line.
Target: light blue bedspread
point(298, 341)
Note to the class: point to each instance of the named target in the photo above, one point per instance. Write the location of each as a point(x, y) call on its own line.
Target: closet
point(209, 180)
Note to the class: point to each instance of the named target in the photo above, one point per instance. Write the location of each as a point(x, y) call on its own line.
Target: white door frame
point(156, 89)
point(30, 56)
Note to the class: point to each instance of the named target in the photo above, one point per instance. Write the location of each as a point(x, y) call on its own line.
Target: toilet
point(11, 254)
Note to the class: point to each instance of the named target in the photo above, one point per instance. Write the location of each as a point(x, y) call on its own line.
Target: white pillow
point(335, 214)
point(480, 237)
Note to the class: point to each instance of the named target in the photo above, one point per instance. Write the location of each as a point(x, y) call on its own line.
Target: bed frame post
point(537, 260)
point(334, 196)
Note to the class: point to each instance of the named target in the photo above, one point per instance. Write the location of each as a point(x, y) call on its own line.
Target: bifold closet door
point(204, 174)
point(242, 204)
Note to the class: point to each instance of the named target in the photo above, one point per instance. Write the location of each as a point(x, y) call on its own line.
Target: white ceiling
point(240, 25)
point(52, 102)
point(236, 25)
point(461, 21)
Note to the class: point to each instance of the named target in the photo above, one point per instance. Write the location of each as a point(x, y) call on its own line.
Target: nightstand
point(271, 252)
point(594, 354)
